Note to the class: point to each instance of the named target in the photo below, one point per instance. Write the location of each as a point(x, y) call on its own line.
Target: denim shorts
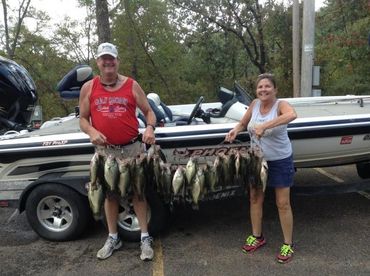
point(281, 173)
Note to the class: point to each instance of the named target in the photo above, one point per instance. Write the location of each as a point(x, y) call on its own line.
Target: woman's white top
point(275, 143)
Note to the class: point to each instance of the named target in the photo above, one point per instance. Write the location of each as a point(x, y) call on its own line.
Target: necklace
point(113, 84)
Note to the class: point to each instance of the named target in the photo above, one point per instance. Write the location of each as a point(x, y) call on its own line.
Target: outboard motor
point(69, 87)
point(17, 96)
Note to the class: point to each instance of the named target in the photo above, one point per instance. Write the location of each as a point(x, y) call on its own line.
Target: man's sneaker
point(108, 248)
point(252, 244)
point(286, 254)
point(147, 252)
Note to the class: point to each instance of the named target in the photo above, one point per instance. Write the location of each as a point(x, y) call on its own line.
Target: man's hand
point(97, 138)
point(148, 135)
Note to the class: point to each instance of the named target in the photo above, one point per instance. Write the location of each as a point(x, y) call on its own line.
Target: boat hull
point(322, 143)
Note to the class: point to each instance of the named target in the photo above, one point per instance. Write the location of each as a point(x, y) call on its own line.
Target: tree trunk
point(102, 20)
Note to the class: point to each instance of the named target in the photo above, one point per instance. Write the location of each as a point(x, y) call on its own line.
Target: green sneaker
point(252, 244)
point(286, 254)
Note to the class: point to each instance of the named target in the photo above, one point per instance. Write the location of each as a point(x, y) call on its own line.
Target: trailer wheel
point(363, 169)
point(56, 212)
point(128, 224)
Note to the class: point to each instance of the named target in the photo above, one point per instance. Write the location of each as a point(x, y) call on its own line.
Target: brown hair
point(268, 76)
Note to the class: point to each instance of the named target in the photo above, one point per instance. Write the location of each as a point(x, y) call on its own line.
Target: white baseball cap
point(107, 49)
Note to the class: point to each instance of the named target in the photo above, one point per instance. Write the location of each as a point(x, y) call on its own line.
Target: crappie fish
point(154, 150)
point(94, 167)
point(124, 166)
point(217, 168)
point(150, 170)
point(195, 190)
point(157, 173)
point(211, 176)
point(206, 169)
point(200, 176)
point(166, 182)
point(139, 176)
point(225, 170)
point(237, 163)
point(178, 179)
point(253, 169)
point(231, 166)
point(111, 173)
point(256, 168)
point(96, 199)
point(191, 169)
point(245, 166)
point(264, 174)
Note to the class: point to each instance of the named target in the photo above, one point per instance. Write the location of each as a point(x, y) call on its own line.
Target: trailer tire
point(56, 212)
point(363, 169)
point(128, 225)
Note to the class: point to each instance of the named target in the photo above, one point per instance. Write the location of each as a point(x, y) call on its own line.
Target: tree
point(12, 29)
point(102, 20)
point(147, 45)
point(240, 18)
point(342, 33)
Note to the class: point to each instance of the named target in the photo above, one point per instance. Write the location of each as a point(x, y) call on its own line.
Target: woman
point(266, 121)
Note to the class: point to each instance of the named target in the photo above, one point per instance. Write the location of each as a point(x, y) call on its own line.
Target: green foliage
point(342, 47)
point(175, 49)
point(46, 67)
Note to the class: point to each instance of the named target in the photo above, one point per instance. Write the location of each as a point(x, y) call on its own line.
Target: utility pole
point(308, 41)
point(296, 52)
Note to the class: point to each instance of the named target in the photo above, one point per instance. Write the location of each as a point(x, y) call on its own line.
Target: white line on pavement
point(12, 216)
point(331, 176)
point(364, 194)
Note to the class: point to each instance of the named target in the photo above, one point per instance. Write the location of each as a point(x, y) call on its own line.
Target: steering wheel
point(196, 109)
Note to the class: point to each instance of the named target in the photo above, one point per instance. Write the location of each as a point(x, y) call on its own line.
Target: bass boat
point(45, 171)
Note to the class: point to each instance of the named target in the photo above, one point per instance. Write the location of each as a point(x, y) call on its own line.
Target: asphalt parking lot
point(331, 234)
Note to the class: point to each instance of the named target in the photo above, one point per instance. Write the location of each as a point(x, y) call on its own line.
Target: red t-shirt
point(113, 113)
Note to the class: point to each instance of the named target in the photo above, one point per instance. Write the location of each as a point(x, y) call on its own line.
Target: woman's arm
point(242, 125)
point(286, 115)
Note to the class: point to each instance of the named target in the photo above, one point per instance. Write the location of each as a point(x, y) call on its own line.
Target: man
point(108, 115)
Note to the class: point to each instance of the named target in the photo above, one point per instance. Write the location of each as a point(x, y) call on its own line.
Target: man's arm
point(142, 103)
point(96, 137)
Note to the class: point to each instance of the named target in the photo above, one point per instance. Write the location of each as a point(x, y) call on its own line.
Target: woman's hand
point(230, 137)
point(259, 130)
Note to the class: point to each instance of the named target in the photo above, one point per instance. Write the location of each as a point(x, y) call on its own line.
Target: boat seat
point(163, 112)
point(242, 95)
point(225, 95)
point(69, 86)
point(220, 113)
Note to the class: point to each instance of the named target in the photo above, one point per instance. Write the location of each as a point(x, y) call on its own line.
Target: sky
point(58, 9)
